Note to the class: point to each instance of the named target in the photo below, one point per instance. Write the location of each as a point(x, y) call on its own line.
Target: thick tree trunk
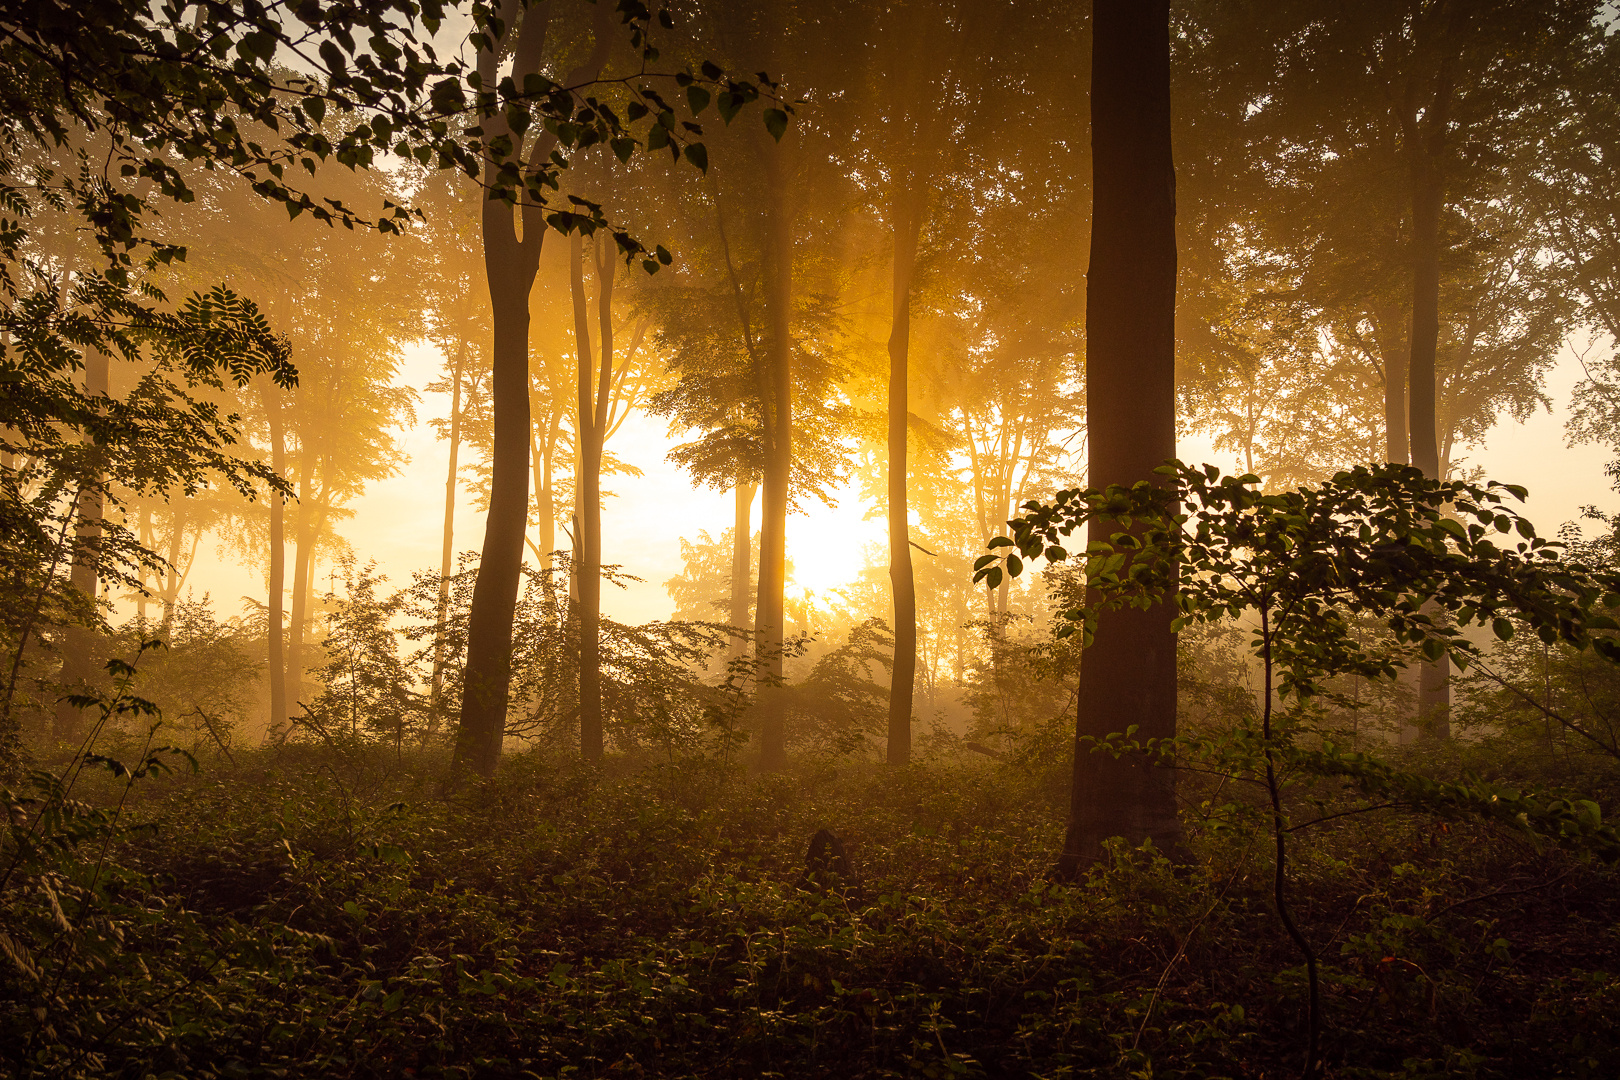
point(1128, 677)
point(510, 264)
point(79, 659)
point(510, 271)
point(777, 394)
point(907, 213)
point(742, 562)
point(278, 560)
point(448, 538)
point(1428, 202)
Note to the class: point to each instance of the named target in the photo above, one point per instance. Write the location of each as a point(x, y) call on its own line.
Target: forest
point(691, 539)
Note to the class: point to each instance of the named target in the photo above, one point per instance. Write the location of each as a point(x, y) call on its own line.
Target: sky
point(399, 521)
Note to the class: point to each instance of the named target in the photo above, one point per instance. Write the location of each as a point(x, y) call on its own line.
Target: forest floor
point(305, 914)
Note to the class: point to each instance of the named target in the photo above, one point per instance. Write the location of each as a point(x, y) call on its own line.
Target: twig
point(1502, 892)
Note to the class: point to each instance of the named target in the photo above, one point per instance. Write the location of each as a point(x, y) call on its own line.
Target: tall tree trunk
point(448, 540)
point(303, 542)
point(1393, 346)
point(278, 559)
point(547, 511)
point(907, 213)
point(742, 562)
point(78, 661)
point(591, 427)
point(1428, 202)
point(172, 575)
point(777, 394)
point(510, 263)
point(1128, 677)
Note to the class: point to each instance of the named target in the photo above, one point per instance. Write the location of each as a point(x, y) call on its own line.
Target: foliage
point(652, 692)
point(1305, 564)
point(559, 920)
point(367, 688)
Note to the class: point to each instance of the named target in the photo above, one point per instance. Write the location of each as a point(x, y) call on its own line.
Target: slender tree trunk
point(1128, 677)
point(172, 576)
point(1428, 202)
point(303, 542)
point(907, 213)
point(742, 562)
point(591, 424)
point(79, 660)
point(510, 263)
point(1393, 346)
point(777, 393)
point(278, 560)
point(548, 500)
point(448, 540)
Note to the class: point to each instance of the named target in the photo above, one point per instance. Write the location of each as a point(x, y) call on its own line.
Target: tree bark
point(278, 559)
point(303, 542)
point(1428, 202)
point(742, 563)
point(510, 264)
point(907, 213)
point(447, 544)
point(78, 661)
point(591, 425)
point(1394, 349)
point(776, 392)
point(1128, 677)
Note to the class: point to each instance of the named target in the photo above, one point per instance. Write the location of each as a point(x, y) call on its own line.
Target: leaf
point(776, 123)
point(1503, 628)
point(622, 149)
point(698, 156)
point(657, 137)
point(999, 542)
point(314, 108)
point(698, 98)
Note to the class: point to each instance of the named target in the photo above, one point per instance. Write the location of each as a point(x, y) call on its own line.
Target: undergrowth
point(305, 914)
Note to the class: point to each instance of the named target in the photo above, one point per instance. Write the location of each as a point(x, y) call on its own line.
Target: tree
point(1128, 679)
point(510, 263)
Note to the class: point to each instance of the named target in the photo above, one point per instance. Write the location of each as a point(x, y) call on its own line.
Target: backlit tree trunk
point(591, 425)
point(907, 213)
point(278, 559)
point(510, 263)
point(1393, 347)
point(742, 562)
point(447, 543)
point(1428, 202)
point(1128, 677)
point(776, 392)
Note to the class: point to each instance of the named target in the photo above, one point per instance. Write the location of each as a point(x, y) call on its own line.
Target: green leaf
point(1503, 628)
point(698, 98)
point(698, 156)
point(657, 137)
point(314, 108)
point(999, 542)
point(622, 148)
point(1015, 565)
point(776, 123)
